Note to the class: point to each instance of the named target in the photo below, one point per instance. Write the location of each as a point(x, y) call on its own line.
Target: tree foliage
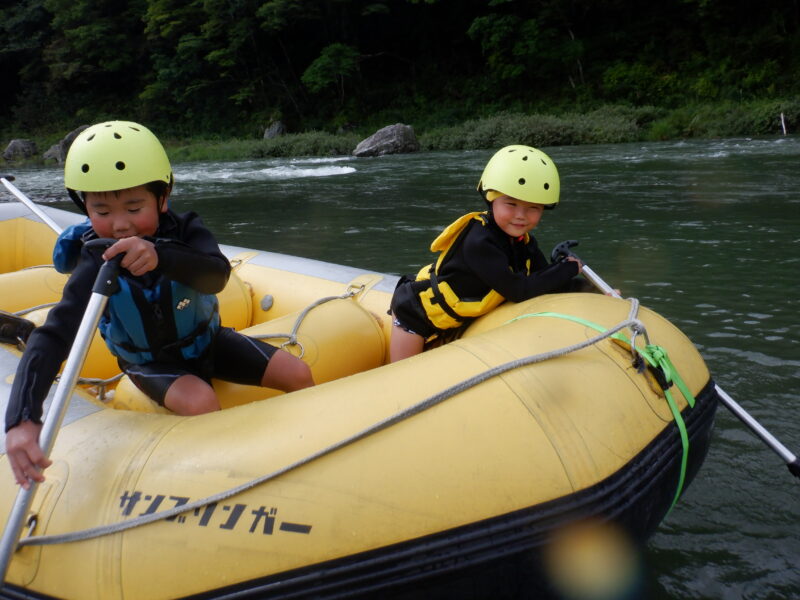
point(231, 66)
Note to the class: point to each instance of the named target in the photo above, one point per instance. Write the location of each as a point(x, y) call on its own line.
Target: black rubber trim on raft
point(499, 557)
point(12, 592)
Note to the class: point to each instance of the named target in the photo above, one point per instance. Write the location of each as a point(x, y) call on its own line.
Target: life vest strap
point(177, 345)
point(438, 297)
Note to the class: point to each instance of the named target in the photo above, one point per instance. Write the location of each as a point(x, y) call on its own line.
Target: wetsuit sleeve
point(490, 262)
point(193, 257)
point(49, 345)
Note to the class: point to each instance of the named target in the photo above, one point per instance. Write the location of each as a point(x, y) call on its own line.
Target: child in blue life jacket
point(485, 257)
point(163, 325)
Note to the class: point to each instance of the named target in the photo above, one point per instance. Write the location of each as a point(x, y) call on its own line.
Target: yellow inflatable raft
point(447, 474)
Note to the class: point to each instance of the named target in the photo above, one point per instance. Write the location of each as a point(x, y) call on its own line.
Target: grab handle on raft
point(6, 181)
point(791, 460)
point(105, 285)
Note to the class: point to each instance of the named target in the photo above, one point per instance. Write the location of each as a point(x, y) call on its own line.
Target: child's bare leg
point(286, 372)
point(190, 395)
point(404, 344)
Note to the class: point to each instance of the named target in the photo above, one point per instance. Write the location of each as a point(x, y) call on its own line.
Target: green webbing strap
point(657, 357)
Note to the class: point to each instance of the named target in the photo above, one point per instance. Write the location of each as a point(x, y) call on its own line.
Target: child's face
point(516, 217)
point(124, 213)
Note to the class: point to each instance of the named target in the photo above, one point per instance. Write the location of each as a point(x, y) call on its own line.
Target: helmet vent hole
point(85, 168)
point(135, 128)
point(547, 186)
point(544, 162)
point(120, 166)
point(117, 136)
point(521, 181)
point(90, 138)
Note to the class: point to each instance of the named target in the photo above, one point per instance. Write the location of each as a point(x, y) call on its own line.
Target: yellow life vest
point(441, 303)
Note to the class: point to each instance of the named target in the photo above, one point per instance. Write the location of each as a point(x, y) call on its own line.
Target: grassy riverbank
point(606, 125)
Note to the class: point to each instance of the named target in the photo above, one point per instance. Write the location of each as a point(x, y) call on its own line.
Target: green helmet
point(523, 173)
point(115, 155)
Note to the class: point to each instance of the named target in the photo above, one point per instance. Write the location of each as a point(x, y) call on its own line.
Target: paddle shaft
point(770, 440)
point(30, 204)
point(105, 285)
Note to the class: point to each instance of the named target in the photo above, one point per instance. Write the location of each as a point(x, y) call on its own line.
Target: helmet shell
point(115, 155)
point(523, 173)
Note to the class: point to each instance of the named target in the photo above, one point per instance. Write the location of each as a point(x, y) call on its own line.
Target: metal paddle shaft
point(105, 285)
point(601, 285)
point(791, 460)
point(30, 204)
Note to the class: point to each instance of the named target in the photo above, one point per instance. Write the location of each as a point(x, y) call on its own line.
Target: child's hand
point(25, 456)
point(140, 255)
point(575, 259)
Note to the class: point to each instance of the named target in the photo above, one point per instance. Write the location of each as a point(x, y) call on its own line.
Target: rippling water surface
point(705, 232)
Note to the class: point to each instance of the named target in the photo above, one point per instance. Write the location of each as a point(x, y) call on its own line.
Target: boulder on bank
point(58, 152)
point(393, 139)
point(19, 149)
point(276, 128)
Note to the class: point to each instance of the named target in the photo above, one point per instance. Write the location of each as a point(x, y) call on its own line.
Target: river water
point(706, 233)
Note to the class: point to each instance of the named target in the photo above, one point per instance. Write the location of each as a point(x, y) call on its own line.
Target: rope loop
point(292, 341)
point(353, 290)
point(25, 311)
point(291, 338)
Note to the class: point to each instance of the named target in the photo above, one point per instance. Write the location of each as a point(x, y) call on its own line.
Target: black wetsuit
point(187, 253)
point(484, 258)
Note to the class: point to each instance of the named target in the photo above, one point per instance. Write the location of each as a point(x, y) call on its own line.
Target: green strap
point(657, 357)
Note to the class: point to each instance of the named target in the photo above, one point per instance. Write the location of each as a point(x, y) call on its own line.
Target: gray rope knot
point(637, 327)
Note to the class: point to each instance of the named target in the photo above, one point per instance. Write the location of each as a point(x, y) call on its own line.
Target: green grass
point(606, 125)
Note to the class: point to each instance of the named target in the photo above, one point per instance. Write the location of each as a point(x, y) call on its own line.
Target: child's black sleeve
point(49, 345)
point(491, 264)
point(192, 256)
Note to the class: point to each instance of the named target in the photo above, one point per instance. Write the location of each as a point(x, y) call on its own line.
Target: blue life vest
point(67, 249)
point(142, 324)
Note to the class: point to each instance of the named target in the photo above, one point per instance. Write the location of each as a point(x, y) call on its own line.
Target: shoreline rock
point(392, 139)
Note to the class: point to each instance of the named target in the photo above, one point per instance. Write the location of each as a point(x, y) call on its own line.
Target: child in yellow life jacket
point(485, 257)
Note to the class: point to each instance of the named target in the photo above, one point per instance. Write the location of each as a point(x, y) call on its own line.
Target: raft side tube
point(16, 249)
point(502, 557)
point(336, 339)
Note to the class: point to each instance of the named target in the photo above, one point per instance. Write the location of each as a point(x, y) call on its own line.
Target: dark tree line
point(232, 66)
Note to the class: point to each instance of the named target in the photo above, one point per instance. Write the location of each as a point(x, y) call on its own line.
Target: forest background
point(211, 75)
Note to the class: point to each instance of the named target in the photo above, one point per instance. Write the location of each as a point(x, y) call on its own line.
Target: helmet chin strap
point(76, 198)
point(162, 201)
